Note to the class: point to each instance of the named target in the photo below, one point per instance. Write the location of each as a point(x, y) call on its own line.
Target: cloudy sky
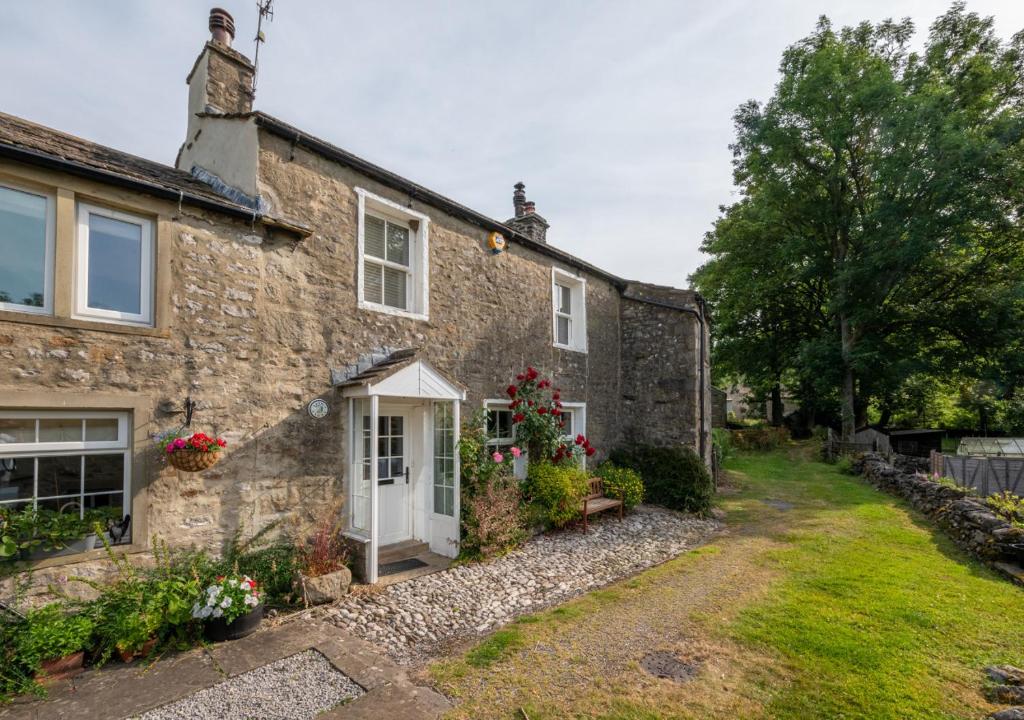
point(616, 115)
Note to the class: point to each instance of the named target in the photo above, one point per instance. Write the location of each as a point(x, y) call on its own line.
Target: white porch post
point(374, 493)
point(456, 432)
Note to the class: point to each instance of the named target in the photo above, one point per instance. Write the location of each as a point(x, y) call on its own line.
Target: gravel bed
point(416, 619)
point(294, 688)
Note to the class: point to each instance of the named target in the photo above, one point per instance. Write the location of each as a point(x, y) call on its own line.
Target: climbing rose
point(531, 374)
point(590, 451)
point(511, 390)
point(542, 410)
point(580, 439)
point(520, 377)
point(518, 418)
point(516, 452)
point(498, 457)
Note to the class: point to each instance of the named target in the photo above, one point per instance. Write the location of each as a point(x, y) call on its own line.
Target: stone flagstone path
point(418, 618)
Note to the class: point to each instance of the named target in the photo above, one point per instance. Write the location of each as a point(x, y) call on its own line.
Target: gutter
point(33, 157)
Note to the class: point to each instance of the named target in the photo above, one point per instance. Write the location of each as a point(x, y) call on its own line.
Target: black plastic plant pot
point(219, 631)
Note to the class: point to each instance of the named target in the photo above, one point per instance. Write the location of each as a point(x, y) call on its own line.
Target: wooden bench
point(596, 502)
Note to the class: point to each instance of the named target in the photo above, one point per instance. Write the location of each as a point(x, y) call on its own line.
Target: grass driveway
point(823, 598)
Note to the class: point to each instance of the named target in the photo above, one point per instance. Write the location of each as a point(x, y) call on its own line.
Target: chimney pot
point(519, 198)
point(529, 207)
point(222, 26)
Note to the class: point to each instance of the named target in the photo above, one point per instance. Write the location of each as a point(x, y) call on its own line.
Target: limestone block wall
point(665, 396)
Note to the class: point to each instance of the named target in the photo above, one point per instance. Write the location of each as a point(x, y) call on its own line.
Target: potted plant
point(321, 557)
point(191, 453)
point(54, 642)
point(230, 608)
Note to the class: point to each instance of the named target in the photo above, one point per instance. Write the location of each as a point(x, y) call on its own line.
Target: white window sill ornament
point(496, 242)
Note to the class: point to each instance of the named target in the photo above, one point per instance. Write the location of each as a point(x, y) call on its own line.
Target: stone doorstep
point(119, 691)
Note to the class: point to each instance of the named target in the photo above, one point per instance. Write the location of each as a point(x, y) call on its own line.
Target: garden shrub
point(622, 483)
point(492, 520)
point(721, 444)
point(557, 491)
point(674, 477)
point(1008, 506)
point(50, 632)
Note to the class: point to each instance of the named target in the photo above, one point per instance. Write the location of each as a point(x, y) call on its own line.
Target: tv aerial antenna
point(266, 10)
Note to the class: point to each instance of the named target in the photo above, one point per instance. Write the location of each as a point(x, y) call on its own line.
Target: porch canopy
point(402, 471)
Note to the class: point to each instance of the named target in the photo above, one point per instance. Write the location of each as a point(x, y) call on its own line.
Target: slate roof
point(40, 145)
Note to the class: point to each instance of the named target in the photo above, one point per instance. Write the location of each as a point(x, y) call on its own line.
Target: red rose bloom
point(520, 377)
point(531, 374)
point(518, 418)
point(542, 410)
point(530, 403)
point(511, 390)
point(580, 439)
point(590, 451)
point(556, 395)
point(556, 411)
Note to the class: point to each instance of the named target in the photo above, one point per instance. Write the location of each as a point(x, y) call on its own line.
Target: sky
point(616, 115)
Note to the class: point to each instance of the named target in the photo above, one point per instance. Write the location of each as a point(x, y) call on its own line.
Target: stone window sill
point(73, 323)
point(97, 554)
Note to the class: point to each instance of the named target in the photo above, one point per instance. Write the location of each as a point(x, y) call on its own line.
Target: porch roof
point(402, 373)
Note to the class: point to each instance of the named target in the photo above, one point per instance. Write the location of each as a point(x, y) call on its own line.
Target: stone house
point(333, 321)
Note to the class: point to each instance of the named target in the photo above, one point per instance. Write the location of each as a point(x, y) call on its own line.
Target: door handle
point(407, 475)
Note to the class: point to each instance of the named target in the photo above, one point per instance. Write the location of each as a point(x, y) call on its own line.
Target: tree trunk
point(777, 405)
point(886, 417)
point(847, 401)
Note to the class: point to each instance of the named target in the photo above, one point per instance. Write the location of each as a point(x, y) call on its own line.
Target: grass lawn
point(830, 600)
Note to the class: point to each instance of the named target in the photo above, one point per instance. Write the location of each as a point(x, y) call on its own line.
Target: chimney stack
point(222, 26)
point(526, 221)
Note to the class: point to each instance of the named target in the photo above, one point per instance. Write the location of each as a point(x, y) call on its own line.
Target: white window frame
point(520, 463)
point(51, 224)
point(83, 447)
point(578, 306)
point(579, 414)
point(418, 288)
point(147, 272)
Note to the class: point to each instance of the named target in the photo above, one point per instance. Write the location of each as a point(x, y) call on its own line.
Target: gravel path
point(417, 618)
point(293, 688)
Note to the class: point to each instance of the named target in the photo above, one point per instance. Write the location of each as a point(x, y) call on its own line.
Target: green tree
point(886, 187)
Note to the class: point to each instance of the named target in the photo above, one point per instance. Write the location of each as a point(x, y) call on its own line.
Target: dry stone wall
point(965, 518)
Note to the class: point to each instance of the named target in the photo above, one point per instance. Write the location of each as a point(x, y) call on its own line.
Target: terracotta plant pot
point(192, 460)
point(129, 655)
point(219, 631)
point(61, 668)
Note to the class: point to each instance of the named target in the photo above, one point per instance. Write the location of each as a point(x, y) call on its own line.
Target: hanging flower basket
point(192, 460)
point(193, 453)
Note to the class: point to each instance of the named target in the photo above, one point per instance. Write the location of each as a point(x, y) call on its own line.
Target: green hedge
point(557, 492)
point(674, 477)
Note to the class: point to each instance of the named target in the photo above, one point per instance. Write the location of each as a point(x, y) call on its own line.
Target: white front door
point(395, 517)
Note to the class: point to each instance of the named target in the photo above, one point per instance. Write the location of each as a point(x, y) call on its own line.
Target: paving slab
point(121, 691)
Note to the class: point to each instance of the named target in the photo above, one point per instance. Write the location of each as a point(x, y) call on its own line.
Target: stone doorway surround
point(124, 691)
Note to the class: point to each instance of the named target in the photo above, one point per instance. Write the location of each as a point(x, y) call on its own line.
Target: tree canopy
point(878, 237)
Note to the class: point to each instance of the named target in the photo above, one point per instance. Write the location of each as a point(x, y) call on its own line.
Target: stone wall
point(965, 518)
point(665, 397)
point(253, 322)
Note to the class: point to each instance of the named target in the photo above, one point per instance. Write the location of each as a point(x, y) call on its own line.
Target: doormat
point(400, 566)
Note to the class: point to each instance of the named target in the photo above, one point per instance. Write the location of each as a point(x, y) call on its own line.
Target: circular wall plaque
point(318, 408)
